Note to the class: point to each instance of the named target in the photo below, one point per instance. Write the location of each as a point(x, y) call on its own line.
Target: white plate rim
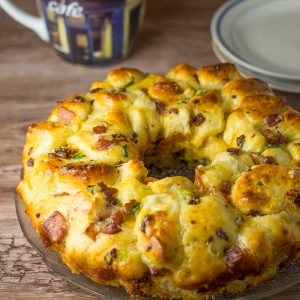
point(217, 37)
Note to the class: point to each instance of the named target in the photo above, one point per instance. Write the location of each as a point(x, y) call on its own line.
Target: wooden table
point(33, 78)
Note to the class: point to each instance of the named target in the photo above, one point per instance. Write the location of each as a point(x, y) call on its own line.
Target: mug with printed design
point(91, 32)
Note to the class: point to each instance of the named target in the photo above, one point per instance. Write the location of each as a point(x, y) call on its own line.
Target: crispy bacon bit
point(129, 206)
point(103, 144)
point(234, 256)
point(99, 129)
point(274, 119)
point(147, 219)
point(55, 227)
point(234, 151)
point(135, 138)
point(104, 213)
point(174, 111)
point(120, 137)
point(157, 272)
point(156, 246)
point(92, 231)
point(61, 153)
point(78, 99)
point(262, 160)
point(226, 187)
point(253, 213)
point(160, 107)
point(122, 90)
point(194, 201)
point(64, 115)
point(110, 228)
point(273, 137)
point(149, 179)
point(37, 215)
point(202, 290)
point(108, 193)
point(240, 141)
point(113, 253)
point(117, 217)
point(95, 90)
point(197, 120)
point(222, 235)
point(30, 162)
point(107, 274)
point(297, 200)
point(86, 171)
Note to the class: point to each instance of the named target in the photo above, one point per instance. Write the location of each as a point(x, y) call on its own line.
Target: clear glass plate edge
point(285, 278)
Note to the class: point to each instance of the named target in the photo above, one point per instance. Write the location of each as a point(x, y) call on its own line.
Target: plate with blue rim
point(261, 36)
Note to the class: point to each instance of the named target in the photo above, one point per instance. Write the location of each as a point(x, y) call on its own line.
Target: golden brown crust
point(89, 196)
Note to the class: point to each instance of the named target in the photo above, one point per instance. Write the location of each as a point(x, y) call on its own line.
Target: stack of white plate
point(262, 38)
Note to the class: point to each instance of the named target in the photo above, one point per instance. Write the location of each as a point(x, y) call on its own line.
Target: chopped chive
point(78, 156)
point(90, 189)
point(125, 150)
point(129, 83)
point(200, 92)
point(108, 259)
point(260, 183)
point(273, 145)
point(136, 207)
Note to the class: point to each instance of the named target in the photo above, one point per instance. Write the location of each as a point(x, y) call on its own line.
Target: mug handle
point(34, 23)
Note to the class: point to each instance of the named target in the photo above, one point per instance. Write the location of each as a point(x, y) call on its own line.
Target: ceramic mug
point(85, 31)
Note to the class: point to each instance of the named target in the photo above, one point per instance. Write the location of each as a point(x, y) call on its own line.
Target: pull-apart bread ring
point(89, 196)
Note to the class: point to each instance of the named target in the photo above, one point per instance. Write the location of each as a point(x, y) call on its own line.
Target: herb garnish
point(125, 150)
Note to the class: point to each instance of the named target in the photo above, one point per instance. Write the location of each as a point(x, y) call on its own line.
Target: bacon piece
point(105, 213)
point(110, 228)
point(161, 108)
point(194, 201)
point(108, 193)
point(240, 140)
point(273, 119)
point(92, 231)
point(55, 227)
point(78, 99)
point(197, 120)
point(129, 206)
point(234, 256)
point(61, 153)
point(99, 129)
point(226, 187)
point(222, 235)
point(233, 151)
point(146, 220)
point(103, 144)
point(113, 253)
point(157, 272)
point(86, 171)
point(273, 137)
point(149, 179)
point(262, 160)
point(174, 111)
point(64, 115)
point(30, 162)
point(117, 217)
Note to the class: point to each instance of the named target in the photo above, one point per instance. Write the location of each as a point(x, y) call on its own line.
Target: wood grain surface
point(33, 78)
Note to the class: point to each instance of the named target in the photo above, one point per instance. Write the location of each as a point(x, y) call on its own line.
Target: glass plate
point(287, 276)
